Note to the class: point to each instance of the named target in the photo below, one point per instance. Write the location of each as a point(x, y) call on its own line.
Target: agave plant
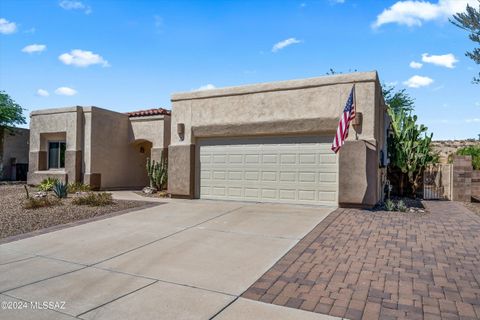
point(60, 189)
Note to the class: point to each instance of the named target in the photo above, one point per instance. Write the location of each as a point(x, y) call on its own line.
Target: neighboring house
point(271, 142)
point(15, 154)
point(102, 148)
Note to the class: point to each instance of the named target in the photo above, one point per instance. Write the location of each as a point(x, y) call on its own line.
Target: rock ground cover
point(16, 220)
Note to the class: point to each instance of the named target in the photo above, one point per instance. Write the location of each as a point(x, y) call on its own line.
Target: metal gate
point(437, 182)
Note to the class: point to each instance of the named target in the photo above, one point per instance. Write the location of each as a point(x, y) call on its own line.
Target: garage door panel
point(268, 169)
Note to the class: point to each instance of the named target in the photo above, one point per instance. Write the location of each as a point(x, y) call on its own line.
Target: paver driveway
point(179, 260)
point(378, 265)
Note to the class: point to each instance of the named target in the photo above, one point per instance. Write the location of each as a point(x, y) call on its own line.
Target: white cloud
point(65, 91)
point(285, 43)
point(392, 83)
point(477, 104)
point(415, 65)
point(82, 58)
point(337, 1)
point(413, 12)
point(42, 93)
point(205, 87)
point(445, 60)
point(7, 27)
point(34, 48)
point(75, 5)
point(473, 120)
point(418, 81)
point(31, 30)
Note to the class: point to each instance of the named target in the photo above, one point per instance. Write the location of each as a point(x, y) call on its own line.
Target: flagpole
point(355, 105)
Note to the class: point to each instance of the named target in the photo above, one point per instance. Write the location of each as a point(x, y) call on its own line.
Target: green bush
point(389, 205)
point(473, 151)
point(60, 189)
point(47, 184)
point(401, 206)
point(94, 199)
point(78, 187)
point(35, 203)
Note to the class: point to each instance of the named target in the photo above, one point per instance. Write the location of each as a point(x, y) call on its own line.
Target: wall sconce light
point(357, 122)
point(181, 130)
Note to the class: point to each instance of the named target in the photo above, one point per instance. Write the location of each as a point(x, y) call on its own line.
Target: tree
point(397, 101)
point(10, 115)
point(470, 21)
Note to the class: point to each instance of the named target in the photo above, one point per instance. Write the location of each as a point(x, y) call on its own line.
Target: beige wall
point(109, 143)
point(67, 120)
point(282, 108)
point(15, 145)
point(322, 98)
point(155, 129)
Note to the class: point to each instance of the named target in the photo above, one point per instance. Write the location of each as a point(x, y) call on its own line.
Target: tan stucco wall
point(105, 145)
point(15, 145)
point(290, 107)
point(68, 120)
point(322, 98)
point(155, 129)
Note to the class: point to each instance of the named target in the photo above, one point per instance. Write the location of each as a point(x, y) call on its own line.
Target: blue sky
point(129, 55)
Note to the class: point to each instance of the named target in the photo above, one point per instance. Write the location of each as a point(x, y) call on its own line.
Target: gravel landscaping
point(16, 220)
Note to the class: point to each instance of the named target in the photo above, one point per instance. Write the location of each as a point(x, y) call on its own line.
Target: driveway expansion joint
point(167, 236)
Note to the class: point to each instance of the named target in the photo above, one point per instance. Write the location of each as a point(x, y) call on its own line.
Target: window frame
point(59, 154)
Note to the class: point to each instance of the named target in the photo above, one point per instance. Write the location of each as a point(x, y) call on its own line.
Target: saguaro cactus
point(157, 172)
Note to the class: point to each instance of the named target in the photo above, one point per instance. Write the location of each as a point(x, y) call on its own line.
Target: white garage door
point(270, 169)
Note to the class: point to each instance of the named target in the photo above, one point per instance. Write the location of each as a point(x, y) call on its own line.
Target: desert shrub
point(473, 151)
point(157, 172)
point(35, 203)
point(47, 184)
point(94, 199)
point(78, 187)
point(401, 206)
point(389, 205)
point(60, 189)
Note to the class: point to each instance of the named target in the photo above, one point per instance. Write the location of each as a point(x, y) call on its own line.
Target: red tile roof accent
point(149, 112)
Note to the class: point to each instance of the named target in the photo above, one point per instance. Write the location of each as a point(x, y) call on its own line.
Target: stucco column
point(181, 170)
point(73, 165)
point(462, 178)
point(358, 174)
point(37, 161)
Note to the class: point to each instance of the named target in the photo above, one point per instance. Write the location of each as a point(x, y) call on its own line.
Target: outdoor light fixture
point(181, 130)
point(357, 122)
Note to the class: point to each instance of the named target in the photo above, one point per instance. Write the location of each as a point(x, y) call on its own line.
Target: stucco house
point(263, 142)
point(15, 154)
point(103, 148)
point(271, 142)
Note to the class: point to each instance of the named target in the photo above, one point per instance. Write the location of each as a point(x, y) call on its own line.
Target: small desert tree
point(10, 115)
point(397, 100)
point(470, 21)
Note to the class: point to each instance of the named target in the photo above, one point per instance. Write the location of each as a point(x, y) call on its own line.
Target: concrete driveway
point(179, 260)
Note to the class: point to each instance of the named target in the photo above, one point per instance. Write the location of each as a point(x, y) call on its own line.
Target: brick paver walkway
point(372, 265)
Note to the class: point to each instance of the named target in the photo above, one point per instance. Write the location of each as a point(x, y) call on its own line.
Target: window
point(56, 154)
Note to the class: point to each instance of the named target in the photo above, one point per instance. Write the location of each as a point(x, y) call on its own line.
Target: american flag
point(344, 123)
